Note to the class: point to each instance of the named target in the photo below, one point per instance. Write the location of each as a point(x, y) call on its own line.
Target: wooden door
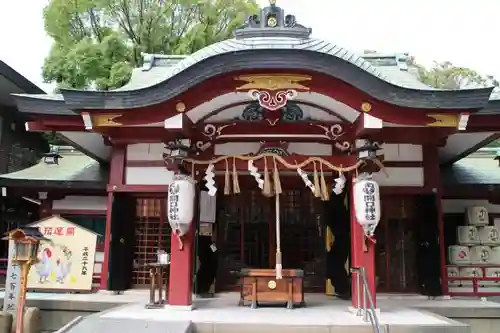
point(302, 237)
point(242, 237)
point(247, 237)
point(396, 246)
point(152, 233)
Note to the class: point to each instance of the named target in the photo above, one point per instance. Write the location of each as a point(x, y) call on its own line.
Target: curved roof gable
point(263, 44)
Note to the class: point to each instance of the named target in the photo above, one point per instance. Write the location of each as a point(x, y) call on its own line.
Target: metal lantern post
point(26, 244)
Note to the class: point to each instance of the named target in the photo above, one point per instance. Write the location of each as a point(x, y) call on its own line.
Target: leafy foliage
point(445, 75)
point(97, 43)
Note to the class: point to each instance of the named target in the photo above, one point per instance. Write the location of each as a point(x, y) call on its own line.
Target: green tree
point(97, 43)
point(445, 75)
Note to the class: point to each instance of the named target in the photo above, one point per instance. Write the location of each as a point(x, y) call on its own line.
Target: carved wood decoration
point(340, 135)
point(273, 91)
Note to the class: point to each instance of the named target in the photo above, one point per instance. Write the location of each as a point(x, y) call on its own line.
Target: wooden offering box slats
point(260, 286)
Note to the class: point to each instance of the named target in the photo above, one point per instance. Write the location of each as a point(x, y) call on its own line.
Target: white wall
point(147, 175)
point(397, 176)
point(77, 202)
point(145, 152)
point(402, 152)
point(400, 177)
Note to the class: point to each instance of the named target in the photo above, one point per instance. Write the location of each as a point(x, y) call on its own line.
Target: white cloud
point(460, 31)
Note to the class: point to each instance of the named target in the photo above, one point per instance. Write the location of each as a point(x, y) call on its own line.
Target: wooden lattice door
point(243, 236)
point(302, 237)
point(246, 236)
point(152, 233)
point(396, 246)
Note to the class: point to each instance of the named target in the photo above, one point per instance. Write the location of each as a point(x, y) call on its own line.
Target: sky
point(460, 31)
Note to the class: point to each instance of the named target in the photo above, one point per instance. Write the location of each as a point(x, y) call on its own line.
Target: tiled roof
point(479, 168)
point(74, 170)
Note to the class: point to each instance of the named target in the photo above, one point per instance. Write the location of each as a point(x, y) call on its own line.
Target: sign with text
point(12, 284)
point(67, 263)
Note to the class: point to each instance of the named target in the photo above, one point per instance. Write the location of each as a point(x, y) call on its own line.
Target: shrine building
point(276, 128)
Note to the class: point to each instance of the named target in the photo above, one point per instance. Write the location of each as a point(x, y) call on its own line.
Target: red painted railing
point(476, 282)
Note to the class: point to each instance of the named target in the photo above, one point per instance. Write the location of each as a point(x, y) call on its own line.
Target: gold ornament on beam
point(180, 107)
point(106, 120)
point(443, 120)
point(273, 82)
point(366, 107)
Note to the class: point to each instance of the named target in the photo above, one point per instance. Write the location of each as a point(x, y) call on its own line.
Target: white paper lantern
point(366, 195)
point(180, 204)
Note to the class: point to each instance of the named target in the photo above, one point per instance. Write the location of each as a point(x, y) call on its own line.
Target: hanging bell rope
point(267, 190)
point(325, 196)
point(277, 181)
point(317, 189)
point(279, 266)
point(227, 180)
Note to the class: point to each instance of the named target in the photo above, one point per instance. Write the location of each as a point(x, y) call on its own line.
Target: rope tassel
point(279, 267)
point(227, 180)
point(277, 182)
point(267, 190)
point(236, 183)
point(317, 189)
point(325, 196)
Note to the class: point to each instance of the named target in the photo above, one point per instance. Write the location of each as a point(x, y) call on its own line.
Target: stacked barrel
point(477, 252)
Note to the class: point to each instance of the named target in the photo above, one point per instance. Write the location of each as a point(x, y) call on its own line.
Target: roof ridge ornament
point(272, 22)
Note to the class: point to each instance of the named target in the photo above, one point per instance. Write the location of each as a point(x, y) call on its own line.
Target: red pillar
point(180, 289)
point(361, 256)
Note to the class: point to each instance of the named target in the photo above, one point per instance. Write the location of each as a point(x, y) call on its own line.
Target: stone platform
point(104, 312)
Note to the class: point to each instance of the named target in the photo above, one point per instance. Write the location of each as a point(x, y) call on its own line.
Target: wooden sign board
point(67, 263)
point(12, 284)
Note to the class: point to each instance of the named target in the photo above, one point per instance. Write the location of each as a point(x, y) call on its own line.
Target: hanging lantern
point(366, 196)
point(180, 204)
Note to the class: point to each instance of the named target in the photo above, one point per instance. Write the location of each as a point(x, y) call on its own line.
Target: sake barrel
point(492, 272)
point(477, 215)
point(467, 235)
point(488, 235)
point(453, 272)
point(495, 255)
point(480, 255)
point(470, 272)
point(459, 255)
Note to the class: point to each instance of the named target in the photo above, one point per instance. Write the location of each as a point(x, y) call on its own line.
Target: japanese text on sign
point(369, 199)
point(12, 283)
point(59, 231)
point(85, 260)
point(173, 211)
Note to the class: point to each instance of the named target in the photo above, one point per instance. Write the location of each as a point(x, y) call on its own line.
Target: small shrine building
point(302, 110)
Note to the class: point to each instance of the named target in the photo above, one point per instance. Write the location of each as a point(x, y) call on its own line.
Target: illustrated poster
point(67, 262)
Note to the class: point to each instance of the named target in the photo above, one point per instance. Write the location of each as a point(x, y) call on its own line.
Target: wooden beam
point(366, 125)
point(180, 124)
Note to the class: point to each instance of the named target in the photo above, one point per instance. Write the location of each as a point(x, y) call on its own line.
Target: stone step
point(94, 324)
